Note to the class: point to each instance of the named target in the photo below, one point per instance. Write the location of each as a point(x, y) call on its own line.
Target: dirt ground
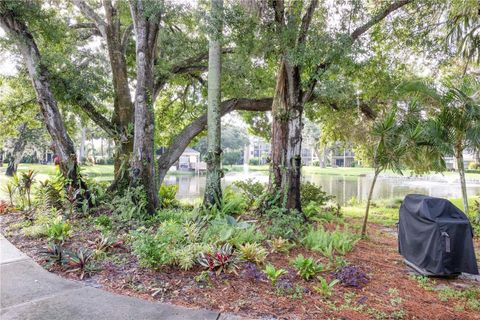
point(392, 292)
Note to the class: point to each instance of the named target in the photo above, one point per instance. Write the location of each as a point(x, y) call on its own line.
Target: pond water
point(344, 188)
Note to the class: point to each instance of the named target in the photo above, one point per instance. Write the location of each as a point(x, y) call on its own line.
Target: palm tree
point(399, 141)
point(454, 123)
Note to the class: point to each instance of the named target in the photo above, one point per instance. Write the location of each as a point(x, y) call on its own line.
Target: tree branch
point(98, 118)
point(321, 68)
point(126, 34)
point(187, 66)
point(183, 139)
point(306, 20)
point(378, 17)
point(92, 15)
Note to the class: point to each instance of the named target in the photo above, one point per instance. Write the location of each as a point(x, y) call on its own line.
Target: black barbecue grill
point(435, 237)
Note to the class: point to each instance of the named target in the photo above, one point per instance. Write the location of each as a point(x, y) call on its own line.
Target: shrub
point(327, 213)
point(42, 223)
point(150, 252)
point(473, 166)
point(248, 235)
point(306, 267)
point(173, 244)
point(130, 205)
point(254, 162)
point(253, 252)
point(289, 224)
point(186, 257)
point(228, 229)
point(251, 190)
point(59, 230)
point(273, 274)
point(327, 242)
point(222, 260)
point(168, 196)
point(103, 222)
point(232, 203)
point(352, 276)
point(310, 192)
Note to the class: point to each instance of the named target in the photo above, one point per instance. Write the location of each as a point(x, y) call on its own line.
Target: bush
point(232, 157)
point(254, 162)
point(327, 212)
point(310, 192)
point(289, 224)
point(473, 166)
point(232, 204)
point(251, 190)
point(41, 223)
point(130, 205)
point(172, 244)
point(59, 230)
point(151, 252)
point(352, 276)
point(168, 196)
point(103, 222)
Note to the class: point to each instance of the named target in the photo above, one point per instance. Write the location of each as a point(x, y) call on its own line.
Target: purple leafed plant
point(352, 276)
point(251, 272)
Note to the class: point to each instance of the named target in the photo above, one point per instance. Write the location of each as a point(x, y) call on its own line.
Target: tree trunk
point(213, 188)
point(143, 157)
point(287, 109)
point(110, 29)
point(52, 118)
point(1, 157)
point(18, 149)
point(370, 194)
point(463, 183)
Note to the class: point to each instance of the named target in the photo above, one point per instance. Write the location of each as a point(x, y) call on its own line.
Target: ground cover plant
point(227, 254)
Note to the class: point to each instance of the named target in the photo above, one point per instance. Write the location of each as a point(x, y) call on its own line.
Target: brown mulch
point(391, 293)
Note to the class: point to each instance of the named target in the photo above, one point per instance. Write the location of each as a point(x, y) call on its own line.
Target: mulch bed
point(391, 293)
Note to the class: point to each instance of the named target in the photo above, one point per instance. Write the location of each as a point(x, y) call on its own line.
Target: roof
point(190, 151)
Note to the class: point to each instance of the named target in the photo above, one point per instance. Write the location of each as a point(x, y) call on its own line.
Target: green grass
point(385, 212)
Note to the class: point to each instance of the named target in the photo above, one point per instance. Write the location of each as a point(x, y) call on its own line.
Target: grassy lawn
point(385, 212)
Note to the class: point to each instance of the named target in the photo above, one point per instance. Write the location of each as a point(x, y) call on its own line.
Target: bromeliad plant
point(223, 260)
point(280, 245)
point(80, 261)
point(253, 252)
point(54, 254)
point(307, 267)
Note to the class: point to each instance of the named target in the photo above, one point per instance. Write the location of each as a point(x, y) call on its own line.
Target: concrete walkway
point(27, 291)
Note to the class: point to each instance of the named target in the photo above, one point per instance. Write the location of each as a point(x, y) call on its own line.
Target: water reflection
point(192, 187)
